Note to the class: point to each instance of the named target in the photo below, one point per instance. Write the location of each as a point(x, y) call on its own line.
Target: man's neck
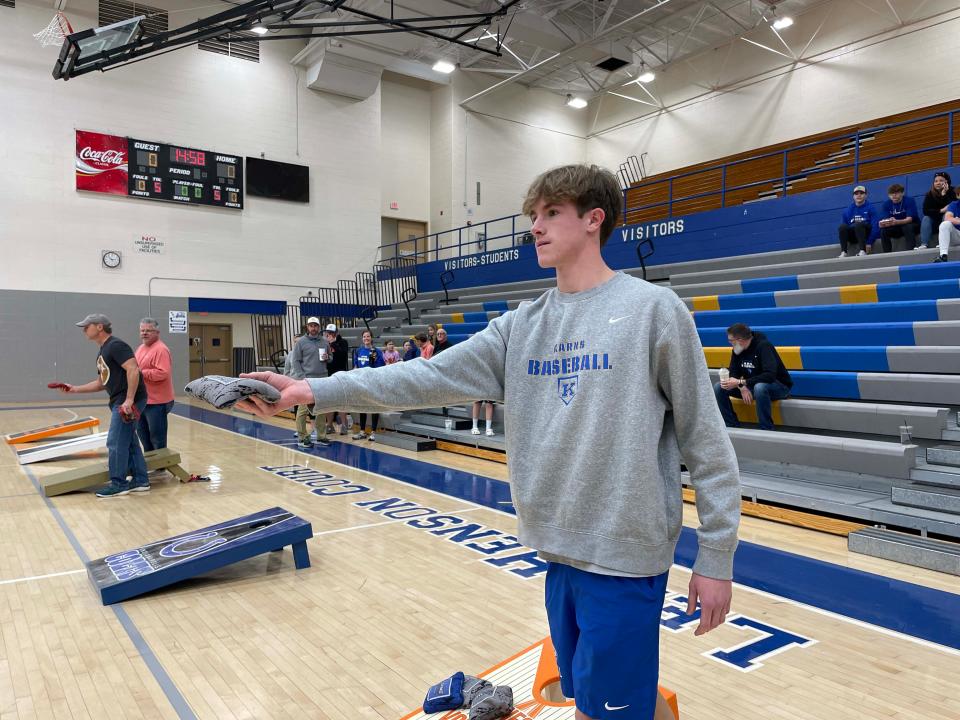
point(103, 338)
point(584, 274)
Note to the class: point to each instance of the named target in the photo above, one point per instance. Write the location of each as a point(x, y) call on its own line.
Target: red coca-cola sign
point(101, 163)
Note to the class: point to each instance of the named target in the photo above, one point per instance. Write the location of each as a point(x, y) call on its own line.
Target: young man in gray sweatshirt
point(603, 506)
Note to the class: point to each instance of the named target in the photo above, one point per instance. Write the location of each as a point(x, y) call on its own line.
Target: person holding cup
point(309, 360)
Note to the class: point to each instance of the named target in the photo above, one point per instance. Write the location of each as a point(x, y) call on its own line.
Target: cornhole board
point(98, 473)
point(62, 448)
point(48, 431)
point(533, 676)
point(133, 572)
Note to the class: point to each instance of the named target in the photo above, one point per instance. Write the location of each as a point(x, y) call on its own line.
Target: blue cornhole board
point(133, 572)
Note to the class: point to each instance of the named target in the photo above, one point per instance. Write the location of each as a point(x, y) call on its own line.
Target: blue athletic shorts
point(606, 631)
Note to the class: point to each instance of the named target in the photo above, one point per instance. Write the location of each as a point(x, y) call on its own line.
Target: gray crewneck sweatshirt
point(604, 391)
point(306, 362)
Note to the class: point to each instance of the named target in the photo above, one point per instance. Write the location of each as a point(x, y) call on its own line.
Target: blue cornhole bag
point(445, 695)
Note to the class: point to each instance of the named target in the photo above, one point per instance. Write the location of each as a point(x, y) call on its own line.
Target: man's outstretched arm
point(470, 370)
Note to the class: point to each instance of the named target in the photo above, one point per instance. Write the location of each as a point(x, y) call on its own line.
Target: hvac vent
point(243, 49)
point(612, 64)
point(112, 11)
point(8, 3)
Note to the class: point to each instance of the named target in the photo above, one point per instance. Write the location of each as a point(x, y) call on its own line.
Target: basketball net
point(53, 34)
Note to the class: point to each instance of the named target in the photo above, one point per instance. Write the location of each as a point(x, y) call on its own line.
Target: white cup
point(724, 374)
point(448, 423)
point(323, 355)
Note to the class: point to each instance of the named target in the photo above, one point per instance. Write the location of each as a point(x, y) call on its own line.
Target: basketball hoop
point(54, 33)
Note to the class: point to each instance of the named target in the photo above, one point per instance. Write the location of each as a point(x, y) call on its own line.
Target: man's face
point(313, 329)
point(896, 196)
point(738, 344)
point(441, 335)
point(149, 334)
point(559, 233)
point(93, 331)
point(859, 197)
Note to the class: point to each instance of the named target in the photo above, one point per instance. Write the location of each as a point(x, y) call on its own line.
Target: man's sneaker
point(112, 490)
point(371, 436)
point(329, 428)
point(475, 431)
point(942, 258)
point(143, 488)
point(490, 432)
point(862, 252)
point(359, 435)
point(843, 254)
point(919, 247)
point(304, 444)
point(323, 442)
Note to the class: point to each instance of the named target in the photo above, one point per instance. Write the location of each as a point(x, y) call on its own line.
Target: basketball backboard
point(84, 50)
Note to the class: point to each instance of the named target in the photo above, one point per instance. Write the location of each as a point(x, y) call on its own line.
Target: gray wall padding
point(41, 343)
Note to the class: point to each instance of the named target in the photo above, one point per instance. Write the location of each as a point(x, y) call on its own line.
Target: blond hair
point(586, 186)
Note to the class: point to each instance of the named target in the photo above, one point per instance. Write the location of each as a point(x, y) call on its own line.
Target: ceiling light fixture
point(442, 66)
point(646, 77)
point(259, 29)
point(576, 102)
point(781, 23)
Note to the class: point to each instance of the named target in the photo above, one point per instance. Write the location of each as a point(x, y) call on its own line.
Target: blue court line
point(914, 610)
point(173, 694)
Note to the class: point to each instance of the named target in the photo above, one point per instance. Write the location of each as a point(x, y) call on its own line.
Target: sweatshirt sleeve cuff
point(714, 563)
point(327, 393)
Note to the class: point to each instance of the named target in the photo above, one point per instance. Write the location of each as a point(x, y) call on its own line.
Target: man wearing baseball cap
point(309, 360)
point(339, 351)
point(857, 226)
point(119, 375)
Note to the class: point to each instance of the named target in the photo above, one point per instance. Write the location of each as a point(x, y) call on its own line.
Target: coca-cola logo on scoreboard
point(101, 163)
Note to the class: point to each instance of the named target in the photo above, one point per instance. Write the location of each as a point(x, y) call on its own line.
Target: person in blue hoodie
point(367, 356)
point(899, 217)
point(857, 225)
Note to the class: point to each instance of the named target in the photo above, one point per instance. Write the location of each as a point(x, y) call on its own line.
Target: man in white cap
point(339, 351)
point(309, 360)
point(118, 374)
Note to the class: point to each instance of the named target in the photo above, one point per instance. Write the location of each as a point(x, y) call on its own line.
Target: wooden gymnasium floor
point(388, 608)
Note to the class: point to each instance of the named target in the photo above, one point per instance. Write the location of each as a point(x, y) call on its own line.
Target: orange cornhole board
point(51, 430)
point(530, 673)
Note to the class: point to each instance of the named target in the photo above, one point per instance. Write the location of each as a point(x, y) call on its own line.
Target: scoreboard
point(186, 175)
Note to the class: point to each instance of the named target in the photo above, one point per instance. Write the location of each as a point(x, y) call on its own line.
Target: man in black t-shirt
point(119, 375)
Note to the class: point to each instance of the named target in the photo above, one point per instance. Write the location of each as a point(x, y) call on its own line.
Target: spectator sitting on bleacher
point(410, 350)
point(935, 205)
point(949, 230)
point(442, 342)
point(432, 334)
point(424, 346)
point(756, 374)
point(390, 354)
point(858, 220)
point(898, 218)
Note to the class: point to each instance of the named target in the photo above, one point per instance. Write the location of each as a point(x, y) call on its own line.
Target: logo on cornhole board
point(535, 679)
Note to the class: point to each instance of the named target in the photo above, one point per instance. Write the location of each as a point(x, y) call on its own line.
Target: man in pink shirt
point(156, 367)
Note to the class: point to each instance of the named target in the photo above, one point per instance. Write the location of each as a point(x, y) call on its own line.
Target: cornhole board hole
point(81, 478)
point(62, 448)
point(133, 572)
point(49, 431)
point(534, 678)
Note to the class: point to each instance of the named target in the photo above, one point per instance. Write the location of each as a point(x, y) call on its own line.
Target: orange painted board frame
point(48, 431)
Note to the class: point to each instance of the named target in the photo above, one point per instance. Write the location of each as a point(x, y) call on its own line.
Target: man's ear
point(595, 218)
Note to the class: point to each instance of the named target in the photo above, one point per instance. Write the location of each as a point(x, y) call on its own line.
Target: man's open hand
point(292, 392)
point(714, 596)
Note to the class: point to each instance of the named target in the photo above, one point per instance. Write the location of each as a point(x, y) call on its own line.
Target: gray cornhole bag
point(223, 392)
point(491, 702)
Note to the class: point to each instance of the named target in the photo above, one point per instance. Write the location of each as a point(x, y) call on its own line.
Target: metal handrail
point(446, 277)
point(407, 299)
point(643, 255)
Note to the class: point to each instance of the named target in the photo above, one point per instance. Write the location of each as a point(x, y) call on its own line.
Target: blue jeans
point(928, 227)
point(763, 395)
point(152, 427)
point(124, 454)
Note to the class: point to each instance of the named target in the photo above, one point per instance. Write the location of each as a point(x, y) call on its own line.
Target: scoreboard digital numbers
point(186, 175)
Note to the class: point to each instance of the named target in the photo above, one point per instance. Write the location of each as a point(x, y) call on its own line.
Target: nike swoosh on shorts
point(608, 706)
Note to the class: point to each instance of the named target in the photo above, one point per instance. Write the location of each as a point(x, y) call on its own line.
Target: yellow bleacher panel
point(718, 357)
point(858, 294)
point(748, 413)
point(456, 317)
point(706, 302)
